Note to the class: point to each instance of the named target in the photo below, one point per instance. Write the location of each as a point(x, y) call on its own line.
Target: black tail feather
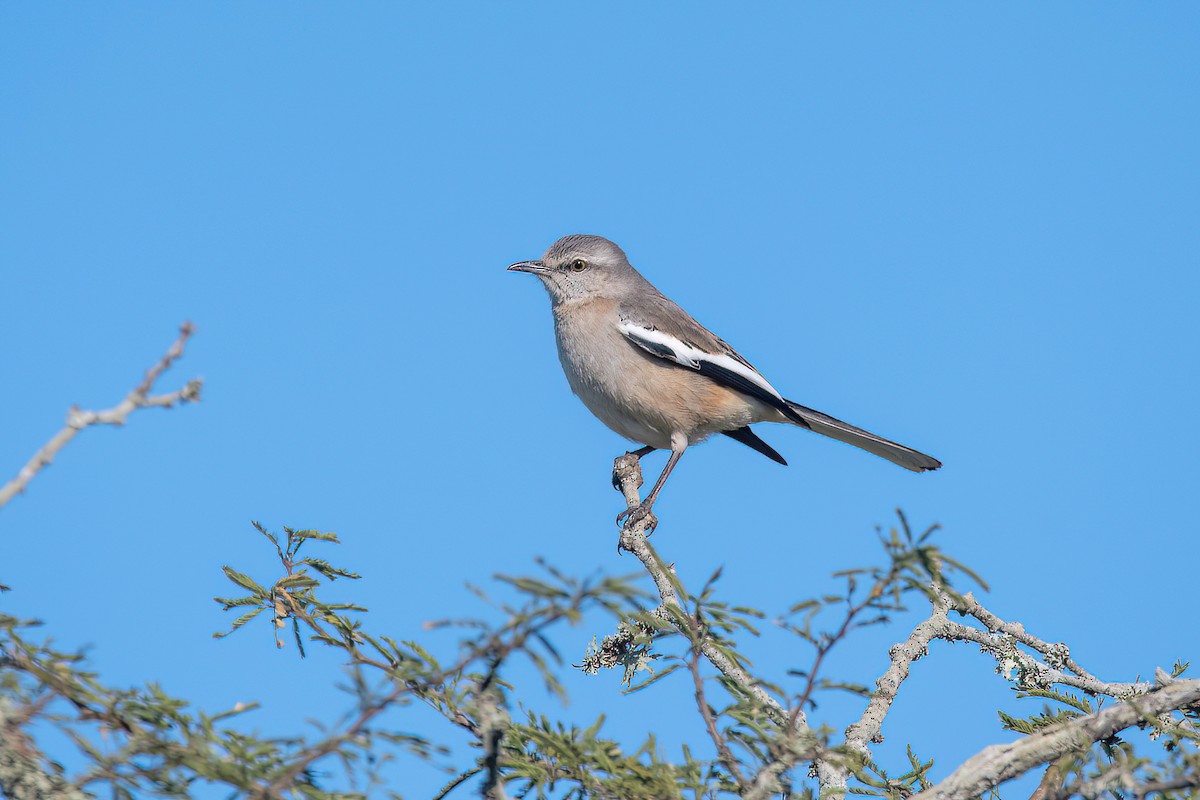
point(750, 439)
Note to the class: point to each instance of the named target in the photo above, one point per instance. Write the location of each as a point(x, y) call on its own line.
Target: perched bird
point(656, 376)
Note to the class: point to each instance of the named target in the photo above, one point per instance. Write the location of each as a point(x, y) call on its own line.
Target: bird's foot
point(635, 514)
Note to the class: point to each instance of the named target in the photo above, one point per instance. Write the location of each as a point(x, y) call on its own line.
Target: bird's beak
point(528, 266)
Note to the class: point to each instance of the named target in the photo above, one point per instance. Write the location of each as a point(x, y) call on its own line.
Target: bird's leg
point(638, 454)
point(631, 515)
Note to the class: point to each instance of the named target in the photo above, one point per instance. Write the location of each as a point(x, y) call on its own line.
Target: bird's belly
point(645, 399)
point(623, 416)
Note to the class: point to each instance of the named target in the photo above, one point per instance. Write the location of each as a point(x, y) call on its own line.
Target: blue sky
point(970, 228)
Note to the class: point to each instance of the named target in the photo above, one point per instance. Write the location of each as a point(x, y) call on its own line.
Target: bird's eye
point(578, 265)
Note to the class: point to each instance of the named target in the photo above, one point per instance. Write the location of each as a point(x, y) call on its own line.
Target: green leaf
point(852, 688)
point(655, 677)
point(319, 536)
point(299, 580)
point(243, 581)
point(328, 570)
point(299, 639)
point(239, 622)
point(229, 603)
point(1065, 698)
point(259, 527)
point(970, 573)
point(805, 605)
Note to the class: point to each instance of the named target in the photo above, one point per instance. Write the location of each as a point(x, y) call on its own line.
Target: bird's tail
point(836, 429)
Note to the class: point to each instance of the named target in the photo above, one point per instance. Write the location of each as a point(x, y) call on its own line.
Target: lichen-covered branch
point(78, 419)
point(998, 763)
point(627, 475)
point(23, 773)
point(1121, 781)
point(866, 730)
point(1000, 639)
point(796, 741)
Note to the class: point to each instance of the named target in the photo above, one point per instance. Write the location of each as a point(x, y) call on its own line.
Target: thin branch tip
point(77, 419)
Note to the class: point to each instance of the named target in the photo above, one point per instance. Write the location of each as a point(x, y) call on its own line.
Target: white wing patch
point(666, 346)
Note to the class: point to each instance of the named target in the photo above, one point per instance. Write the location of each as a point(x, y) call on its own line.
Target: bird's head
point(582, 267)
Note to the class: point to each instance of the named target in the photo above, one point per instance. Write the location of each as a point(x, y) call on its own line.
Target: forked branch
point(78, 419)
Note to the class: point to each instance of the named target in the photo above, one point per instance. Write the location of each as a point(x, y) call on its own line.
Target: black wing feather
point(733, 380)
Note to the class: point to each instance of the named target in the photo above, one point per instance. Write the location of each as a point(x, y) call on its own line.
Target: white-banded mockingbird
point(656, 376)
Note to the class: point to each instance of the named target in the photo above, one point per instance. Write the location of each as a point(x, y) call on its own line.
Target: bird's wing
point(663, 329)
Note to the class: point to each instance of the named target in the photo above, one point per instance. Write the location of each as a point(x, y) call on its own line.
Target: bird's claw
point(635, 514)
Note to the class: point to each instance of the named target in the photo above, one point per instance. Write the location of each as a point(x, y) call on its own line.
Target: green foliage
point(152, 742)
point(875, 781)
point(1045, 719)
point(542, 757)
point(144, 742)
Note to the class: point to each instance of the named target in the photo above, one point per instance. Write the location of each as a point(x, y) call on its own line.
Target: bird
point(656, 376)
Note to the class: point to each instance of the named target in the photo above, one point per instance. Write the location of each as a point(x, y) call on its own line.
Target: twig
point(458, 780)
point(710, 722)
point(284, 781)
point(77, 419)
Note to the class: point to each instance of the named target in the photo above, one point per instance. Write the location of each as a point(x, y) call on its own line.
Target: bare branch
point(77, 420)
point(867, 730)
